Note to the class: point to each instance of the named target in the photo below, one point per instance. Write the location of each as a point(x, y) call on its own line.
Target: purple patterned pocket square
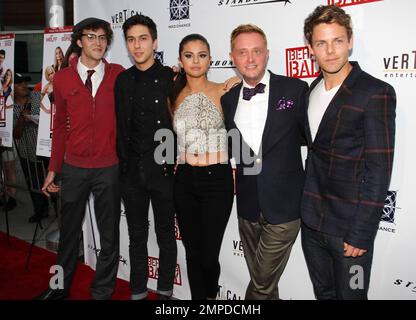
point(284, 104)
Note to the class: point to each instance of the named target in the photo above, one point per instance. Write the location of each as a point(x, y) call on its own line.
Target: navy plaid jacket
point(350, 161)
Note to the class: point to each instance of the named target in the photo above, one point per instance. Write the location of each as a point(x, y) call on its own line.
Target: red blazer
point(91, 139)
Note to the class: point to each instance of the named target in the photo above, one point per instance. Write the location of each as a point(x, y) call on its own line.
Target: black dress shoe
point(51, 294)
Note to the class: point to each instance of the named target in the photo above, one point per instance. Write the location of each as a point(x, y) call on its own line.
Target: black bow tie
point(248, 93)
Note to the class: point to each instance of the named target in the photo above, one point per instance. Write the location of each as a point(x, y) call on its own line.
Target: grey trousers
point(266, 249)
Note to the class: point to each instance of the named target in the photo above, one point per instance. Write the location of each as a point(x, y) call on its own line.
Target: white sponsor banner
point(6, 89)
point(92, 246)
point(56, 42)
point(383, 48)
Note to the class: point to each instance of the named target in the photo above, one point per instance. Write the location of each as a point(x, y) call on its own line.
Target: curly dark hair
point(327, 14)
point(94, 25)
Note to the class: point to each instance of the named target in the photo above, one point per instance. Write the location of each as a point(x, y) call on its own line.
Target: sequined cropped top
point(199, 125)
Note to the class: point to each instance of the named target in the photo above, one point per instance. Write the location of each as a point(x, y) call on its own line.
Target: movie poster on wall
point(56, 42)
point(6, 89)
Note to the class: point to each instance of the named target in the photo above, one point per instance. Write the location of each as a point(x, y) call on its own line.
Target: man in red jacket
point(84, 154)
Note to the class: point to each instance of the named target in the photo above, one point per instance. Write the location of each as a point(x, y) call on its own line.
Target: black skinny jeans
point(203, 199)
point(139, 187)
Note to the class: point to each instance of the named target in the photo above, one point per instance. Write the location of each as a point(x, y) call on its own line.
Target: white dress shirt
point(250, 116)
point(96, 78)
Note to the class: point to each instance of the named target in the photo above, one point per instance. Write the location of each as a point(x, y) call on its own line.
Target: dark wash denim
point(140, 185)
point(203, 201)
point(330, 271)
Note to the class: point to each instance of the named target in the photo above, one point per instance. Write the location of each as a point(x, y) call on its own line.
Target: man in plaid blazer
point(350, 132)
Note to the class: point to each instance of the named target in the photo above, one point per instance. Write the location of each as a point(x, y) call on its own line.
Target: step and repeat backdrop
point(385, 47)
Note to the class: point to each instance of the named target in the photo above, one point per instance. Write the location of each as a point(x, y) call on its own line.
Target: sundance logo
point(179, 10)
point(299, 63)
point(389, 207)
point(389, 212)
point(239, 3)
point(154, 271)
point(159, 56)
point(345, 3)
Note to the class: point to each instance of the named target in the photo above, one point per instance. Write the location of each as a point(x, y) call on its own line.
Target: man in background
point(26, 119)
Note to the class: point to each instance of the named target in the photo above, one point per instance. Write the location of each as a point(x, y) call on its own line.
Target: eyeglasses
point(93, 37)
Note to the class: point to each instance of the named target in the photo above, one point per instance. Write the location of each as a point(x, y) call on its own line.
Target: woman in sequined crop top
point(204, 185)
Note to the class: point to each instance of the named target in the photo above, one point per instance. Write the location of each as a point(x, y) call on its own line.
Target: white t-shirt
point(319, 100)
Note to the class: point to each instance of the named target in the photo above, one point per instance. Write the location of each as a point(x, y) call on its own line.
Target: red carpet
point(18, 284)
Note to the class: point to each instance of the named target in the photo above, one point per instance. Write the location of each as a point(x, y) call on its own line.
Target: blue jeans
point(333, 275)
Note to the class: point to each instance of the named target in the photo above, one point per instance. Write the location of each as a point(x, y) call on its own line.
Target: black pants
point(335, 277)
point(139, 187)
point(203, 202)
point(34, 173)
point(77, 184)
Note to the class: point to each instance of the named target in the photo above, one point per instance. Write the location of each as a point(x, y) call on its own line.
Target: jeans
point(203, 202)
point(139, 187)
point(334, 276)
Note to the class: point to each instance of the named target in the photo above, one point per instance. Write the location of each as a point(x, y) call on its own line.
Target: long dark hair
point(180, 81)
point(73, 48)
